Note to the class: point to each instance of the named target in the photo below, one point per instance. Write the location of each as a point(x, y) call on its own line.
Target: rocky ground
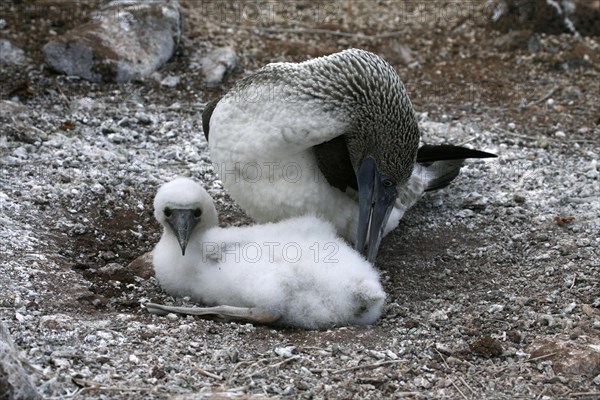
point(493, 283)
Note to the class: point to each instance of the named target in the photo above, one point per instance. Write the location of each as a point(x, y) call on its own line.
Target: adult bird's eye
point(168, 212)
point(197, 213)
point(388, 182)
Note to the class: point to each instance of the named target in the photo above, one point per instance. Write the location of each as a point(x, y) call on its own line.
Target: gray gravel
point(116, 157)
point(493, 283)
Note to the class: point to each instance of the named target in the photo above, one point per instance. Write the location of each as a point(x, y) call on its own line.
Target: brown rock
point(115, 272)
point(56, 322)
point(515, 40)
point(486, 346)
point(569, 357)
point(142, 266)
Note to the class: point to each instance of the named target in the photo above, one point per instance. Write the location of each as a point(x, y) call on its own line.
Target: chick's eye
point(197, 213)
point(168, 212)
point(388, 182)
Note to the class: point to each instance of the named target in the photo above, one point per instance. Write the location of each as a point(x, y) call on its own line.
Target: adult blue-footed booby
point(295, 272)
point(297, 138)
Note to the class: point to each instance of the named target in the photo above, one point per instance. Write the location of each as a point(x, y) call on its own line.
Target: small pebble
point(286, 352)
point(583, 130)
point(170, 81)
point(90, 338)
point(495, 308)
point(547, 320)
point(98, 188)
point(569, 308)
point(377, 354)
point(391, 354)
point(116, 138)
point(421, 382)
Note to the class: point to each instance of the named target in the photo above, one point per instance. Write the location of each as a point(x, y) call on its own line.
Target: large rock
point(122, 41)
point(569, 357)
point(15, 383)
point(579, 17)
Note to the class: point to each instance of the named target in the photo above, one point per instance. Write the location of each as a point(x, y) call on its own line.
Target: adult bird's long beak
point(376, 197)
point(183, 222)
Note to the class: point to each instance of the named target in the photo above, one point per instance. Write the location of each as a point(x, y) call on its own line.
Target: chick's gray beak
point(376, 197)
point(183, 222)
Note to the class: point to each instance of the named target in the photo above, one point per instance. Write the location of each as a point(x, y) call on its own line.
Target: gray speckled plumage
point(361, 88)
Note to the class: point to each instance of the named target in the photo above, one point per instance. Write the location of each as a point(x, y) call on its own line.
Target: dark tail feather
point(441, 173)
point(206, 114)
point(442, 163)
point(429, 153)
